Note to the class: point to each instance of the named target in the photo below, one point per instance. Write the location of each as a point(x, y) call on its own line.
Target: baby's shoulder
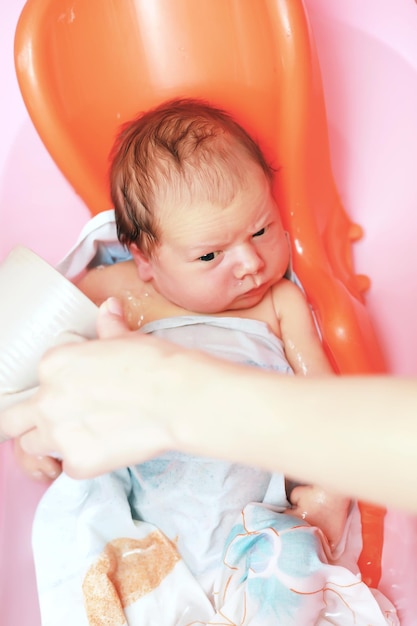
point(104, 281)
point(286, 297)
point(285, 288)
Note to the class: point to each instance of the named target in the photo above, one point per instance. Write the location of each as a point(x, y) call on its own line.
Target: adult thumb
point(110, 320)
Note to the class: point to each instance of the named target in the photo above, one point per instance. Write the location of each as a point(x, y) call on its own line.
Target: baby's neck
point(144, 304)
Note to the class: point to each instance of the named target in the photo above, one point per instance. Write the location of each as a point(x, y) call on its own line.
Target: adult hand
point(86, 409)
point(127, 397)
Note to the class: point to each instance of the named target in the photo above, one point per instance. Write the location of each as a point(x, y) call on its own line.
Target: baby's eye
point(260, 232)
point(208, 257)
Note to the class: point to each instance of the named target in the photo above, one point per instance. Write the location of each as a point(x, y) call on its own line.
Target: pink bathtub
point(368, 58)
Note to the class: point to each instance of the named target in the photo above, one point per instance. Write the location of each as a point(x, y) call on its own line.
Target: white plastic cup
point(39, 309)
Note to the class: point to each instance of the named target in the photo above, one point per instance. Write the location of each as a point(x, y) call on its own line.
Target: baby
point(193, 200)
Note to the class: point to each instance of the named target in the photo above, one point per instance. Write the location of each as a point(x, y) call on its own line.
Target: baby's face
point(213, 258)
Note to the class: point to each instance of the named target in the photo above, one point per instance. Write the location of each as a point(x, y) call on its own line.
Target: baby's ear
point(142, 262)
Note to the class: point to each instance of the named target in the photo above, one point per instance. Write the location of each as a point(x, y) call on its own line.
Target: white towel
point(97, 565)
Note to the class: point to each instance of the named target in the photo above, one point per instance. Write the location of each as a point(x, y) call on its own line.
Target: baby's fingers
point(34, 442)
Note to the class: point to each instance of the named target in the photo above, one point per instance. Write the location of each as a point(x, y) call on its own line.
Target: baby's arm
point(304, 351)
point(97, 284)
point(302, 344)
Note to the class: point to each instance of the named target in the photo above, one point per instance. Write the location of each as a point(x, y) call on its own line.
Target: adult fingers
point(110, 321)
point(17, 419)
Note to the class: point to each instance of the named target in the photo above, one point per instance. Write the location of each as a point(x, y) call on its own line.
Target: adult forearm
point(104, 404)
point(357, 435)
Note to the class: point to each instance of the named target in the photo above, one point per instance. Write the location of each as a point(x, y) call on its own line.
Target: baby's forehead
point(246, 205)
point(216, 178)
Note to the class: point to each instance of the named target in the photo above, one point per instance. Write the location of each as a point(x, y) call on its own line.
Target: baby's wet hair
point(182, 150)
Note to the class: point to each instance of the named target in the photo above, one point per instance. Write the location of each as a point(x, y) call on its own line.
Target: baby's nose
point(247, 261)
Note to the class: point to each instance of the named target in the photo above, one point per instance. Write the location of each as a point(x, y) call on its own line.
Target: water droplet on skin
point(136, 307)
point(303, 369)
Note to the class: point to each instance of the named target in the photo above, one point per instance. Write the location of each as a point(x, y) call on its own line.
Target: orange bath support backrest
point(86, 66)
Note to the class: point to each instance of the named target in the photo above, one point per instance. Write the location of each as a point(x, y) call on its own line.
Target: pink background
point(368, 53)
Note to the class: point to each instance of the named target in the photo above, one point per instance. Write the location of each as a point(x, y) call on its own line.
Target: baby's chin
point(251, 298)
point(236, 303)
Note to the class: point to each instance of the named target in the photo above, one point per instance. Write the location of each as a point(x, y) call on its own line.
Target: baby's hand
point(320, 508)
point(41, 468)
